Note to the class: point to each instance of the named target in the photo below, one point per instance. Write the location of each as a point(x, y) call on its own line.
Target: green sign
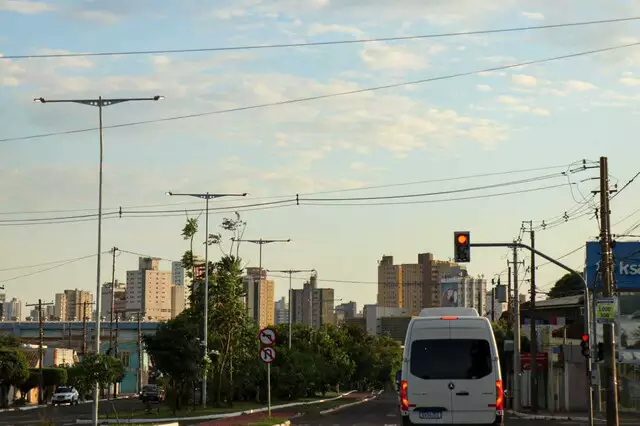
point(606, 311)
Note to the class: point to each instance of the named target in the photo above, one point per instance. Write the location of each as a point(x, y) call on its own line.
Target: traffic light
point(462, 247)
point(585, 346)
point(600, 355)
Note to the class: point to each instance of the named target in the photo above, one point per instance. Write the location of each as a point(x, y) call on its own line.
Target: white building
point(179, 277)
point(373, 313)
point(12, 310)
point(282, 312)
point(464, 292)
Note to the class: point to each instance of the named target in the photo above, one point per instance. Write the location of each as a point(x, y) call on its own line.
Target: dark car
point(152, 393)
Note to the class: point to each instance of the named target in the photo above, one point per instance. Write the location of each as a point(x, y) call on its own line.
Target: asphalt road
point(67, 415)
point(383, 411)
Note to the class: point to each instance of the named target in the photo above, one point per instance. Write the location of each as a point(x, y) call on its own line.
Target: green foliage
point(568, 285)
point(94, 369)
point(14, 369)
point(320, 360)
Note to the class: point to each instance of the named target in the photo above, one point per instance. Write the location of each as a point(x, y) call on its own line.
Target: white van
point(451, 370)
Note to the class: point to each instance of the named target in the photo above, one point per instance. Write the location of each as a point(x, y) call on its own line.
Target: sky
point(512, 127)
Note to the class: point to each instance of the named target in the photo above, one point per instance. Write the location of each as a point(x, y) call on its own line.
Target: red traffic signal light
point(462, 247)
point(462, 239)
point(585, 337)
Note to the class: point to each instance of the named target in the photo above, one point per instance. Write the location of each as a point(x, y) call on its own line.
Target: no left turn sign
point(268, 354)
point(267, 336)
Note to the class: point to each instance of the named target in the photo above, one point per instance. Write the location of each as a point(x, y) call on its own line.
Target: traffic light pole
point(587, 310)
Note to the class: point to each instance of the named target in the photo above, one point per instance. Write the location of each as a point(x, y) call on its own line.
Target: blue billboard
point(626, 265)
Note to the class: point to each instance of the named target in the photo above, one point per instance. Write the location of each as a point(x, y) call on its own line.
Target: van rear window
point(450, 359)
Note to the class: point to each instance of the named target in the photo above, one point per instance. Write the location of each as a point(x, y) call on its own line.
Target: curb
point(33, 407)
point(213, 416)
point(526, 416)
point(373, 396)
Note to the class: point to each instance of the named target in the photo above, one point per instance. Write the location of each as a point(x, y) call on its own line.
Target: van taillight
point(448, 318)
point(499, 396)
point(404, 396)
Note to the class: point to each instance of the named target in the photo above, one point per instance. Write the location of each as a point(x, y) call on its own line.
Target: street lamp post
point(260, 242)
point(100, 103)
point(206, 196)
point(291, 272)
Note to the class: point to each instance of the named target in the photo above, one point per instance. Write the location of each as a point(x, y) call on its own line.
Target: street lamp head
point(289, 240)
point(41, 100)
point(244, 194)
point(158, 98)
point(168, 193)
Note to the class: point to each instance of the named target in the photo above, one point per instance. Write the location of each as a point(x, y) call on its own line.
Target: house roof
point(33, 358)
point(559, 302)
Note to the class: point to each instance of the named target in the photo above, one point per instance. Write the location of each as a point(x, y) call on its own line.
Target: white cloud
point(361, 166)
point(483, 87)
point(579, 86)
point(392, 57)
point(316, 29)
point(524, 80)
point(508, 100)
point(25, 7)
point(104, 17)
point(229, 13)
point(630, 81)
point(534, 16)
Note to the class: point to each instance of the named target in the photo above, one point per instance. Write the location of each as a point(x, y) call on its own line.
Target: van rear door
point(471, 360)
point(428, 391)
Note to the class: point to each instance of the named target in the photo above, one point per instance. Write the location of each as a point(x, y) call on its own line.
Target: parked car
point(152, 393)
point(65, 395)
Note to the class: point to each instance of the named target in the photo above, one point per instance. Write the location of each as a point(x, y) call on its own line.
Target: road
point(66, 415)
point(383, 411)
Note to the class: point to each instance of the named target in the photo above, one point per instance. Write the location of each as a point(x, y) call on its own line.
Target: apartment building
point(312, 305)
point(345, 311)
point(180, 277)
point(148, 290)
point(118, 302)
point(12, 310)
point(389, 283)
point(260, 293)
point(281, 311)
point(71, 305)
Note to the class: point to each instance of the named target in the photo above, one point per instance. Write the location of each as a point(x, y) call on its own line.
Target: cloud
point(578, 86)
point(534, 16)
point(508, 100)
point(104, 17)
point(25, 7)
point(316, 29)
point(543, 112)
point(524, 80)
point(360, 166)
point(630, 81)
point(483, 87)
point(392, 57)
point(229, 13)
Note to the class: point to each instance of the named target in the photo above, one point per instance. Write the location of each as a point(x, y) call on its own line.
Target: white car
point(65, 395)
point(451, 370)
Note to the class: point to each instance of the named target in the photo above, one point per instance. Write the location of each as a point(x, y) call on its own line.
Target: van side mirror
point(398, 377)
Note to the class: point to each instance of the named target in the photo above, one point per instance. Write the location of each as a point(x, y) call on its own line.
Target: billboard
point(626, 265)
point(450, 294)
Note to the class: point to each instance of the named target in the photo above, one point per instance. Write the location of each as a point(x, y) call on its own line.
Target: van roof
point(440, 312)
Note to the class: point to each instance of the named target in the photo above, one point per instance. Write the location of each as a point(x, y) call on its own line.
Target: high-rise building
point(464, 292)
point(177, 300)
point(413, 286)
point(149, 290)
point(180, 277)
point(13, 310)
point(282, 311)
point(260, 293)
point(3, 299)
point(72, 304)
point(346, 311)
point(119, 302)
point(312, 305)
point(60, 307)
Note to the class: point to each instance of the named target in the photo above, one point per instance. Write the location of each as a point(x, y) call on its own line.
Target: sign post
point(606, 310)
point(268, 354)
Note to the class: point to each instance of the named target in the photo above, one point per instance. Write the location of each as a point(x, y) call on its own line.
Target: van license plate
point(430, 415)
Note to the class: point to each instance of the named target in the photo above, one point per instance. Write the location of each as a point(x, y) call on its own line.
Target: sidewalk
point(577, 416)
point(34, 406)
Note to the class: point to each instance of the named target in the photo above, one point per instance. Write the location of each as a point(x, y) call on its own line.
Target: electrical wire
point(297, 201)
point(625, 186)
point(289, 196)
point(48, 269)
point(320, 43)
point(329, 95)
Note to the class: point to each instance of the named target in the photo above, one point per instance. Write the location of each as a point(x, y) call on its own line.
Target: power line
point(289, 196)
point(327, 96)
point(295, 201)
point(626, 185)
point(48, 269)
point(320, 43)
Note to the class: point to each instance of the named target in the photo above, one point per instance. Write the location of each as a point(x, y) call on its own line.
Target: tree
point(14, 369)
point(176, 352)
point(94, 369)
point(568, 285)
point(188, 259)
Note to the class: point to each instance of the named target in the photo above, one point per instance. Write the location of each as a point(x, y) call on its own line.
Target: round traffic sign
point(268, 354)
point(267, 336)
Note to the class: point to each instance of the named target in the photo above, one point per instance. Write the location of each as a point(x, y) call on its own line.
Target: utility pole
point(493, 304)
point(509, 300)
point(84, 325)
point(534, 333)
point(290, 272)
point(606, 267)
point(115, 346)
point(40, 304)
point(113, 293)
point(139, 367)
point(516, 334)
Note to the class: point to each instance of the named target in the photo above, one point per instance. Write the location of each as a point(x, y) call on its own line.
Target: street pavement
point(67, 415)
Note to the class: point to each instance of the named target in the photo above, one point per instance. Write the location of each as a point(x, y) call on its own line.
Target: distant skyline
point(401, 141)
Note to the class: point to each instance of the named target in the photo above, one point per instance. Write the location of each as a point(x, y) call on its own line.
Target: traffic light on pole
point(462, 247)
point(585, 346)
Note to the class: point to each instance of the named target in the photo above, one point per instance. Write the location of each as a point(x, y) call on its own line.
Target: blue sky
point(542, 115)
